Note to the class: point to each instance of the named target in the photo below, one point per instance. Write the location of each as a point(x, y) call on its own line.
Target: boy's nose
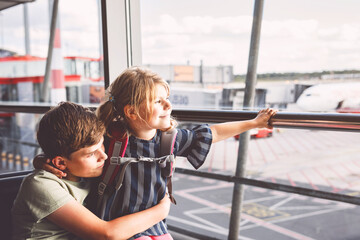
point(103, 155)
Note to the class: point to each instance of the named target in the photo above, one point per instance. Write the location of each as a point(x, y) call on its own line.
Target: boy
point(52, 208)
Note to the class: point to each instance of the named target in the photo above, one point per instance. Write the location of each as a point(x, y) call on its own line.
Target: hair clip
point(111, 98)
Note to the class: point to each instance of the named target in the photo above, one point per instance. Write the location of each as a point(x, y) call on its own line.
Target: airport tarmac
point(321, 160)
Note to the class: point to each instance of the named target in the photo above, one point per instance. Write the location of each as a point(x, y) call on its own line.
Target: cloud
point(79, 28)
point(221, 40)
point(193, 38)
point(350, 32)
point(74, 16)
point(296, 43)
point(286, 45)
point(207, 25)
point(291, 28)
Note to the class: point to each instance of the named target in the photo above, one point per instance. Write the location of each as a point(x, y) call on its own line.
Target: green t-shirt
point(41, 193)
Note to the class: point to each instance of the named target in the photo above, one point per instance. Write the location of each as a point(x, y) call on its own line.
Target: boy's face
point(86, 162)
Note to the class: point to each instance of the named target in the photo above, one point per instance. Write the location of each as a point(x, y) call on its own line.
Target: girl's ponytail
point(106, 113)
point(109, 115)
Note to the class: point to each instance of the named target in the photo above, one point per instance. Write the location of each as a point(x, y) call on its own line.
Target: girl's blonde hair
point(134, 87)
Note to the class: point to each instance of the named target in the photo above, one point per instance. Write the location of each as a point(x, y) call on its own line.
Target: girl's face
point(160, 117)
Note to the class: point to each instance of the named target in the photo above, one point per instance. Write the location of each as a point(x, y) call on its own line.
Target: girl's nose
point(167, 104)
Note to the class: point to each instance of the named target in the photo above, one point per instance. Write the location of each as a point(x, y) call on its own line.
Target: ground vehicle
point(258, 133)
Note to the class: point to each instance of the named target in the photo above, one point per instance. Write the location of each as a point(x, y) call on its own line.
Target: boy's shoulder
point(42, 187)
point(43, 181)
point(39, 175)
point(36, 191)
point(39, 179)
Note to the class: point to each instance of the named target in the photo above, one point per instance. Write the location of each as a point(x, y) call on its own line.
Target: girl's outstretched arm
point(225, 130)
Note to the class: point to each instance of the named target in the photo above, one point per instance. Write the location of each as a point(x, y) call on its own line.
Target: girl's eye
point(158, 101)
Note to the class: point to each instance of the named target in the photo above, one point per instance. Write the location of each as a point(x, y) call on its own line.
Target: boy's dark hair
point(67, 128)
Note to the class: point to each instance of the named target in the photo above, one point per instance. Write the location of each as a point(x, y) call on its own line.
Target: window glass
point(203, 207)
point(18, 144)
point(75, 62)
point(74, 73)
point(202, 49)
point(197, 48)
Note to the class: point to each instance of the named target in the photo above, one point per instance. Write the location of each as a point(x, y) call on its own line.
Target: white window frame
point(121, 36)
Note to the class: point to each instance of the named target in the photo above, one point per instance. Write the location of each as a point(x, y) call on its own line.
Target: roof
point(4, 4)
point(21, 58)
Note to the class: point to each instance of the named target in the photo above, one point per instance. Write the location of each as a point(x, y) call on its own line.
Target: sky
point(296, 35)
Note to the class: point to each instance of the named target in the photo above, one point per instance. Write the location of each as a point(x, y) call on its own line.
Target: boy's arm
point(223, 131)
point(77, 219)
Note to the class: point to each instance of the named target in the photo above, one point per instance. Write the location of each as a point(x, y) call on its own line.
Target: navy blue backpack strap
point(166, 148)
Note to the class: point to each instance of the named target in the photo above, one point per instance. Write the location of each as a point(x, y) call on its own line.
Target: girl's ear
point(129, 112)
point(59, 162)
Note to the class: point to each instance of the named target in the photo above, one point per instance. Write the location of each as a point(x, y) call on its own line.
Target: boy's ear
point(129, 112)
point(59, 162)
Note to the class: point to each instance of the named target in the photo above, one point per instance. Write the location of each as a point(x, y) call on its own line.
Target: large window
point(202, 49)
point(307, 62)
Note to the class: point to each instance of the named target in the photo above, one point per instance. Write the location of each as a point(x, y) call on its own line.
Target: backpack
point(108, 184)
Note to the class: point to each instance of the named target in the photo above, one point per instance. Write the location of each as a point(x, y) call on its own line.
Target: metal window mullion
point(135, 32)
point(128, 33)
point(115, 46)
point(121, 36)
point(238, 191)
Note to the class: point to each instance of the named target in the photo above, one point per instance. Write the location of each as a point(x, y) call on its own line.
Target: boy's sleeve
point(194, 144)
point(42, 194)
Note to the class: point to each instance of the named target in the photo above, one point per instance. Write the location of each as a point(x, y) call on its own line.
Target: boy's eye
point(91, 154)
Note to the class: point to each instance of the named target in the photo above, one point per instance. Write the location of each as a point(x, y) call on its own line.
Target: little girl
point(138, 102)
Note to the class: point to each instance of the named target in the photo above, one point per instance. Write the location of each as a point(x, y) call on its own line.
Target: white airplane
point(330, 97)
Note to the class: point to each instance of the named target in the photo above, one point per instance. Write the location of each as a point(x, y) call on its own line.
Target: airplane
point(331, 97)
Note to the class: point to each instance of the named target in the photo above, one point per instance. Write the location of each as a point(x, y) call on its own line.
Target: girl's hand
point(42, 162)
point(263, 118)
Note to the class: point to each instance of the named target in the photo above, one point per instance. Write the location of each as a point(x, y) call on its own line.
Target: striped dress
point(143, 185)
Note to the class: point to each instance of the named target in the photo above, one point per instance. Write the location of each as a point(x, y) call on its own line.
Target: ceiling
point(4, 4)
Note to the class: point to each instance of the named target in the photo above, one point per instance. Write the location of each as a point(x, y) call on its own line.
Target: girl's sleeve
point(194, 144)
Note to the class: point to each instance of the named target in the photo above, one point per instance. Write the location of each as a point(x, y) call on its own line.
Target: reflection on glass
point(18, 143)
